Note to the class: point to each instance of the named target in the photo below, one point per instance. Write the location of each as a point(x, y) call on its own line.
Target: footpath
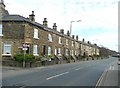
point(110, 77)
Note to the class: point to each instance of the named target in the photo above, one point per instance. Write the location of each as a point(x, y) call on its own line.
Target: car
point(118, 62)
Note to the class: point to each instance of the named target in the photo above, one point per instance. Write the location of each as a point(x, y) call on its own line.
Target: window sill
point(59, 54)
point(6, 55)
point(50, 41)
point(36, 54)
point(1, 35)
point(36, 38)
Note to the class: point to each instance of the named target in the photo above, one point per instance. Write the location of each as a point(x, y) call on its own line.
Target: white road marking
point(111, 67)
point(57, 75)
point(77, 69)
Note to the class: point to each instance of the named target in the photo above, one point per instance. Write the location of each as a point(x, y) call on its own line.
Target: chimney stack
point(77, 37)
point(55, 27)
point(83, 40)
point(68, 33)
point(32, 17)
point(73, 36)
point(62, 31)
point(88, 42)
point(45, 22)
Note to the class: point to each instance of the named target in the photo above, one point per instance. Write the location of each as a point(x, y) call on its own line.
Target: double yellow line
point(98, 84)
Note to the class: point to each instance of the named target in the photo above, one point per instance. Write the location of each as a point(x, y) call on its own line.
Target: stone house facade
point(39, 38)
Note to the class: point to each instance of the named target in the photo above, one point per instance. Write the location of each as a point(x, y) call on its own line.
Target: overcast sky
point(99, 17)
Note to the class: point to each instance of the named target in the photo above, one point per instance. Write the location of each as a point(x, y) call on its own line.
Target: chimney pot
point(32, 12)
point(54, 26)
point(73, 36)
point(83, 40)
point(77, 37)
point(32, 17)
point(62, 31)
point(45, 23)
point(68, 33)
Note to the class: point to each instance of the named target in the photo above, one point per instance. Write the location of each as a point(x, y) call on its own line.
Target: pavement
point(110, 77)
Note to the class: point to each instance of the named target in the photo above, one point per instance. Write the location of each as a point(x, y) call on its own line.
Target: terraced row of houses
point(17, 30)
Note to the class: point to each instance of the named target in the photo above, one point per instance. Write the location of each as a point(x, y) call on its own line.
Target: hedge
point(28, 58)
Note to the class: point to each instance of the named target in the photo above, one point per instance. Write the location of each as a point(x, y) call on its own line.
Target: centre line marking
point(57, 75)
point(77, 69)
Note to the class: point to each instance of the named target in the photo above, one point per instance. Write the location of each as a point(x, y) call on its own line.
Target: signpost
point(24, 49)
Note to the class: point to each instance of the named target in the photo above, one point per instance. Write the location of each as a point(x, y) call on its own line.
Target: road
point(85, 73)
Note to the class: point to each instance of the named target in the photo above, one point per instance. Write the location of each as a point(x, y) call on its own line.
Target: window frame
point(7, 52)
point(60, 40)
point(49, 50)
point(67, 41)
point(1, 30)
point(67, 52)
point(35, 50)
point(72, 52)
point(72, 43)
point(59, 51)
point(50, 38)
point(36, 33)
point(55, 51)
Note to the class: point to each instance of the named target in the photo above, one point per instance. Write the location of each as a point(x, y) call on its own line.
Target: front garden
point(44, 60)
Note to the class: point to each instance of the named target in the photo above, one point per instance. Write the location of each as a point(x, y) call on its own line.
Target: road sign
point(25, 46)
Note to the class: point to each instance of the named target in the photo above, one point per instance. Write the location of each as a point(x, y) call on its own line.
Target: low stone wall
point(43, 63)
point(27, 65)
point(11, 63)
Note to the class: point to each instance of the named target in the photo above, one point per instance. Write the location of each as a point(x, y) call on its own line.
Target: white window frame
point(36, 33)
point(72, 43)
point(66, 41)
point(7, 52)
point(35, 50)
point(59, 51)
point(72, 52)
point(75, 52)
point(49, 50)
point(66, 52)
point(50, 38)
point(55, 51)
point(77, 44)
point(60, 40)
point(1, 34)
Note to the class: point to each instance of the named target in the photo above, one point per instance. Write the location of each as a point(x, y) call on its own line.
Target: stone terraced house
point(39, 38)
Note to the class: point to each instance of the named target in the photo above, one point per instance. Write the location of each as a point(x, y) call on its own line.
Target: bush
point(40, 58)
point(19, 57)
point(28, 58)
point(49, 57)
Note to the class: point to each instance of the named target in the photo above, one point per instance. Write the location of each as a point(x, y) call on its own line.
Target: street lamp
point(71, 25)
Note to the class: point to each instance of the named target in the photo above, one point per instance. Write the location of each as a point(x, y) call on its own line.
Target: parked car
point(118, 61)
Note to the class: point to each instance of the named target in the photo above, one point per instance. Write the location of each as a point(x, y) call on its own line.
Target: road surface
point(85, 73)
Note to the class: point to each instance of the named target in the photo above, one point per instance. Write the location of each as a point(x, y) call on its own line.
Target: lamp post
point(71, 25)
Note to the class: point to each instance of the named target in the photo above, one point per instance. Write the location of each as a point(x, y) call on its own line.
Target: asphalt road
point(85, 73)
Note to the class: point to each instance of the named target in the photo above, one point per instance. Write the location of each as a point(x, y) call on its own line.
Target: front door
point(44, 49)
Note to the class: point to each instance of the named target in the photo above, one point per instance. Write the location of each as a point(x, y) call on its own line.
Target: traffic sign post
point(24, 49)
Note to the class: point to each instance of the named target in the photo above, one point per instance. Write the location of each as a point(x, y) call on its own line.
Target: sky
point(99, 18)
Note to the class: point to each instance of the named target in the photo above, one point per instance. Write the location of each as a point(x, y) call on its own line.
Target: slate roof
point(19, 18)
point(14, 18)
